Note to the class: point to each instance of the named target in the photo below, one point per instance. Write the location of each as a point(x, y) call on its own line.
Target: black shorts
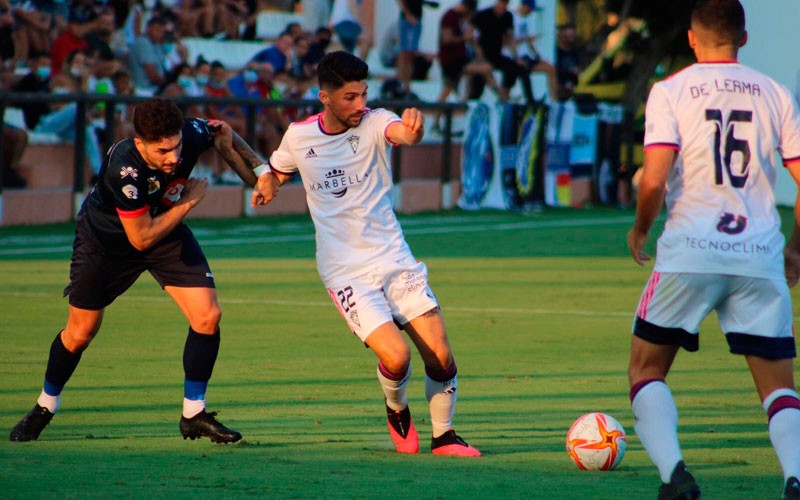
point(97, 276)
point(452, 72)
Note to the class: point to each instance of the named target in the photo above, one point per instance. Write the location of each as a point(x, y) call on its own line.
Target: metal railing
point(84, 101)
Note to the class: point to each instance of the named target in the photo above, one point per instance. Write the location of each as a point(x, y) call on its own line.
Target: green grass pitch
point(538, 309)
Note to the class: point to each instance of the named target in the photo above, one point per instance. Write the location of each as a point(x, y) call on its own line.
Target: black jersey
point(127, 187)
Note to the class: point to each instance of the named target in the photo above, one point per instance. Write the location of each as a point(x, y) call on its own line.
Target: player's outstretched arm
point(652, 187)
point(145, 231)
point(410, 130)
point(791, 254)
point(235, 151)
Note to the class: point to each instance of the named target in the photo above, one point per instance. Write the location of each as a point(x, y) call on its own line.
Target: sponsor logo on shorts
point(415, 281)
point(209, 275)
point(130, 191)
point(354, 318)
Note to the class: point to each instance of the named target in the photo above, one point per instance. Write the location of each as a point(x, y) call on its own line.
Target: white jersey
point(728, 124)
point(348, 182)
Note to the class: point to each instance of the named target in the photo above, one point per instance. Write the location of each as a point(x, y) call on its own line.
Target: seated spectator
point(278, 55)
point(14, 143)
point(181, 82)
point(79, 24)
point(257, 80)
point(454, 54)
point(123, 85)
point(218, 87)
point(202, 72)
point(32, 32)
point(73, 78)
point(99, 40)
point(568, 60)
point(318, 47)
point(36, 80)
point(8, 54)
point(524, 50)
point(147, 60)
point(176, 52)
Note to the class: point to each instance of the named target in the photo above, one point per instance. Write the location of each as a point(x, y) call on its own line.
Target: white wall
point(773, 28)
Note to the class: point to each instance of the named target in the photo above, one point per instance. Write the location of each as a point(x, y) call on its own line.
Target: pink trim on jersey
point(721, 61)
point(271, 167)
point(133, 214)
point(310, 119)
point(647, 296)
point(387, 128)
point(662, 145)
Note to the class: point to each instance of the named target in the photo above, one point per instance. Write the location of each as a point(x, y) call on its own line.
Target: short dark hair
point(339, 68)
point(724, 18)
point(156, 119)
point(472, 5)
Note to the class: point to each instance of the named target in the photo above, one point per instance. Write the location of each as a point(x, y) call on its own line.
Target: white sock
point(395, 390)
point(192, 407)
point(784, 432)
point(442, 402)
point(52, 403)
point(657, 426)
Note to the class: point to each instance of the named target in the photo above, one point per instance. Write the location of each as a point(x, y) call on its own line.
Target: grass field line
point(305, 304)
point(250, 240)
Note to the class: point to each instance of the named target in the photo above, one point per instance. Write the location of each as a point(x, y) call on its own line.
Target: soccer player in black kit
point(132, 222)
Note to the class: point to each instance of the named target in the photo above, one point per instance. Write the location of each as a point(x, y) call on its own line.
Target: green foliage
point(539, 311)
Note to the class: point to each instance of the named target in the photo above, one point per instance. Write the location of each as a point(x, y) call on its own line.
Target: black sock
point(199, 355)
point(60, 367)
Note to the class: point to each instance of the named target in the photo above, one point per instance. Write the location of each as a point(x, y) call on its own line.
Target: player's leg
point(65, 354)
point(764, 306)
point(179, 265)
point(428, 333)
point(667, 318)
point(362, 304)
point(394, 372)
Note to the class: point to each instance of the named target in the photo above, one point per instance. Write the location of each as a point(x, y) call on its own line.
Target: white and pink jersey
point(348, 183)
point(728, 124)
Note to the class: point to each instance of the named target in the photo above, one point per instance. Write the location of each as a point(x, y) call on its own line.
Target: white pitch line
point(489, 228)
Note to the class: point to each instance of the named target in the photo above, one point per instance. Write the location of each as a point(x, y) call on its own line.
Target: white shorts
point(397, 292)
point(755, 314)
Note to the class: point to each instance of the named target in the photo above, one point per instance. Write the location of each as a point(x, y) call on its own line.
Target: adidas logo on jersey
point(311, 153)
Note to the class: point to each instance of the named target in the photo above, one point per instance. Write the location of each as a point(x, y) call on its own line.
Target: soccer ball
point(596, 441)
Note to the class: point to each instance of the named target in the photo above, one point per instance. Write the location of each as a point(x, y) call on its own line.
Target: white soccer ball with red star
point(596, 441)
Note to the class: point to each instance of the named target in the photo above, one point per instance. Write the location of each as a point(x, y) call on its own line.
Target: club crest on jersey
point(153, 185)
point(128, 172)
point(130, 191)
point(353, 141)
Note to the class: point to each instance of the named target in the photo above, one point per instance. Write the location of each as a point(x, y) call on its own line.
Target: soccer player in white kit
point(342, 156)
point(712, 135)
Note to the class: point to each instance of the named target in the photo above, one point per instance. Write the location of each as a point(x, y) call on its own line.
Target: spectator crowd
point(135, 47)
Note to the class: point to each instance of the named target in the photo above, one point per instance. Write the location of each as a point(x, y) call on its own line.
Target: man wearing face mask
point(37, 80)
point(147, 60)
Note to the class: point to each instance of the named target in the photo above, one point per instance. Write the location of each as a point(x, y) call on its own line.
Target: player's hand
point(194, 191)
point(265, 190)
point(791, 266)
point(413, 121)
point(636, 242)
point(222, 133)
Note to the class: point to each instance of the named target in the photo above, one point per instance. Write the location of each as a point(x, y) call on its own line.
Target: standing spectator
point(714, 155)
point(316, 14)
point(8, 55)
point(148, 59)
point(568, 60)
point(524, 48)
point(346, 22)
point(455, 56)
point(495, 27)
point(410, 29)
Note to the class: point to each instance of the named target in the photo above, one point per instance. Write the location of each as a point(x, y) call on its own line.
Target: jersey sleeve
point(661, 125)
point(382, 118)
point(127, 186)
point(790, 131)
point(282, 159)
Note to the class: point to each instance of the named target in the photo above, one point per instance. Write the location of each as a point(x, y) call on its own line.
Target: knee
point(208, 322)
point(397, 359)
point(77, 338)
